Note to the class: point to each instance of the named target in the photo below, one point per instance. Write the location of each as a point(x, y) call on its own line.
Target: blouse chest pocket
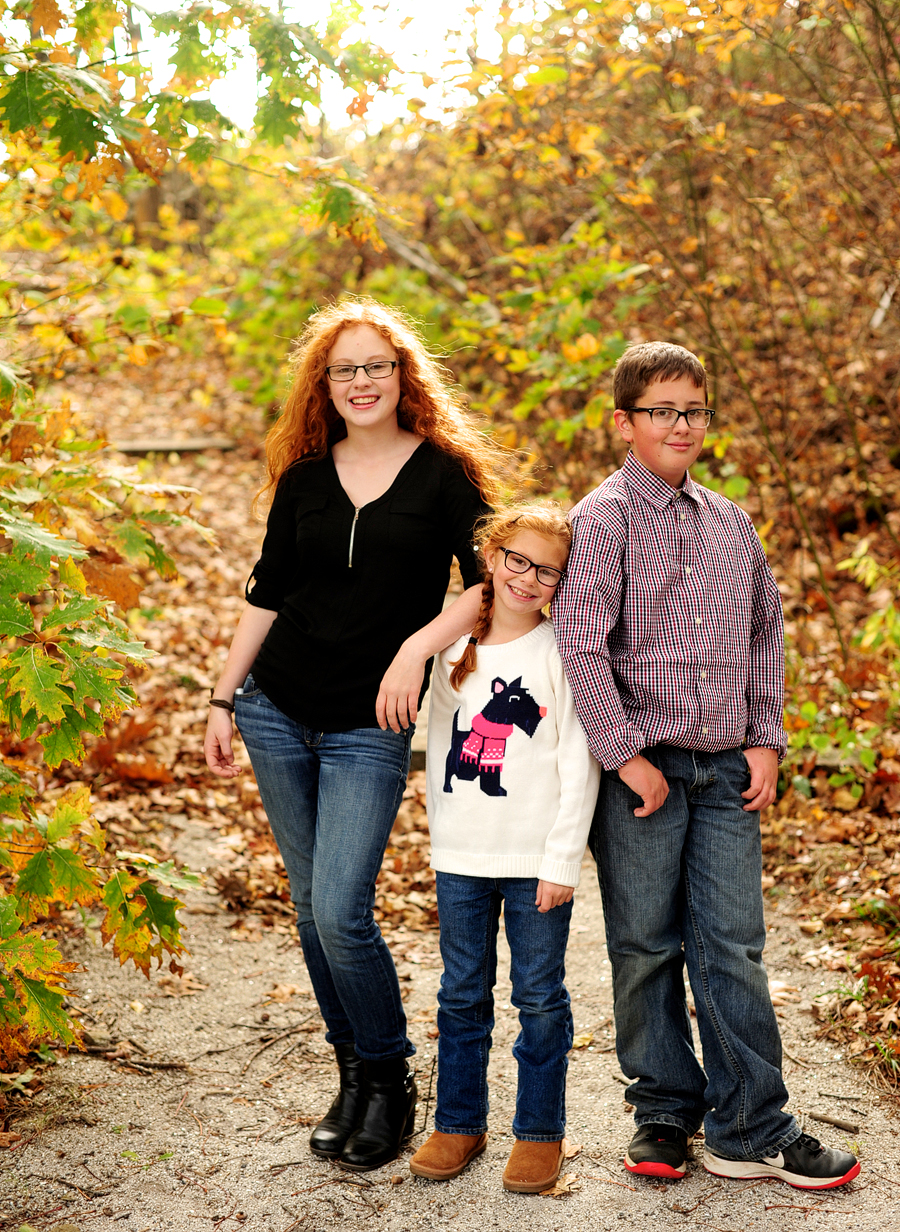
point(416, 524)
point(310, 525)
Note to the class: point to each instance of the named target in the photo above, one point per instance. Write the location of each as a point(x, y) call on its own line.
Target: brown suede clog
point(534, 1166)
point(444, 1156)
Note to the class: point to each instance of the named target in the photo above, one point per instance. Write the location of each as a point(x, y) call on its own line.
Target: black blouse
point(350, 585)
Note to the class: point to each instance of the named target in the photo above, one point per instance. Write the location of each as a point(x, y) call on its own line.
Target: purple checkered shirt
point(669, 621)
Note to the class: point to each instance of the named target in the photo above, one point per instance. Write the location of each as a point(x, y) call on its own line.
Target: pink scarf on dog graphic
point(486, 743)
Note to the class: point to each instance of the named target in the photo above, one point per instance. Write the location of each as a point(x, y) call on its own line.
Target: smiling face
point(521, 593)
point(364, 403)
point(666, 451)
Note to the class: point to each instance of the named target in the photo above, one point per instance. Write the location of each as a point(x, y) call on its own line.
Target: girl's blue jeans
point(469, 910)
point(331, 799)
point(683, 887)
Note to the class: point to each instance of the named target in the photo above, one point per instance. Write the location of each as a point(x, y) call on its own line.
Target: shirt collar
point(655, 490)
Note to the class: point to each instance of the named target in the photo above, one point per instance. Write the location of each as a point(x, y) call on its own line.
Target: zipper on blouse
point(352, 537)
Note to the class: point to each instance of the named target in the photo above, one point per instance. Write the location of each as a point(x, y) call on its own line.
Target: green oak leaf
point(37, 678)
point(77, 132)
point(10, 920)
point(65, 742)
point(72, 877)
point(22, 576)
point(277, 120)
point(79, 607)
point(110, 641)
point(28, 102)
point(159, 914)
point(31, 537)
point(35, 881)
point(165, 874)
point(65, 819)
point(10, 1011)
point(16, 619)
point(31, 953)
point(43, 1010)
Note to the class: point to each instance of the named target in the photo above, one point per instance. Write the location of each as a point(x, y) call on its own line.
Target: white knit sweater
point(539, 827)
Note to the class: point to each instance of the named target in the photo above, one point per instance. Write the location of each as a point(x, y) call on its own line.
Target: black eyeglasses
point(517, 563)
point(346, 372)
point(667, 416)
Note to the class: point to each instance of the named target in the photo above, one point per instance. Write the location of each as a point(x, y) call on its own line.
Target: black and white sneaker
point(658, 1150)
point(805, 1164)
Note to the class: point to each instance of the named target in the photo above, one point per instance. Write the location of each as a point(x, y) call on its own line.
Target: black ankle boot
point(330, 1135)
point(388, 1115)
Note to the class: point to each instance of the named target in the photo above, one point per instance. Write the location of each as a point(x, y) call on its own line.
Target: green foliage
point(75, 532)
point(85, 129)
point(882, 629)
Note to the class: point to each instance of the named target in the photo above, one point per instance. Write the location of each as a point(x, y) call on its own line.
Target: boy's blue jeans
point(683, 886)
point(331, 799)
point(469, 910)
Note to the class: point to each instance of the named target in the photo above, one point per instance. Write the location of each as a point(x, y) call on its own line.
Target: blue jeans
point(683, 886)
point(469, 910)
point(331, 799)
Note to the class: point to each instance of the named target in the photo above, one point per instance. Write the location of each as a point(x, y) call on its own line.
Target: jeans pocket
point(248, 689)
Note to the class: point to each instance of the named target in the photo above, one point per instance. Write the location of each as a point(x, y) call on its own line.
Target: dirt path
point(201, 1120)
point(220, 1141)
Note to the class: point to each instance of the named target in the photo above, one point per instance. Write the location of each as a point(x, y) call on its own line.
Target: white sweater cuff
point(560, 872)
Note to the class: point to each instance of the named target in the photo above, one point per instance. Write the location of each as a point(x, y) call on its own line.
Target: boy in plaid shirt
point(670, 627)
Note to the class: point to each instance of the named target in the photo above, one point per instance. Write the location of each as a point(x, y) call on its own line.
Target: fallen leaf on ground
point(572, 1150)
point(179, 986)
point(565, 1185)
point(284, 992)
point(7, 1140)
point(582, 1041)
point(782, 993)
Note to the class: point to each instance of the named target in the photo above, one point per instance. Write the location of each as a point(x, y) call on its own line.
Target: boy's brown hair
point(654, 361)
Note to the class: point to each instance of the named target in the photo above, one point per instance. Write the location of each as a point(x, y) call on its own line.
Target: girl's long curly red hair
point(429, 406)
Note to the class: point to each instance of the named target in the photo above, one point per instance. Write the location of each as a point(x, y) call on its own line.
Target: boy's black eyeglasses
point(667, 416)
point(517, 563)
point(346, 372)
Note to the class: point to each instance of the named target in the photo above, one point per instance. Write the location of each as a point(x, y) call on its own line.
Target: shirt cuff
point(767, 736)
point(616, 747)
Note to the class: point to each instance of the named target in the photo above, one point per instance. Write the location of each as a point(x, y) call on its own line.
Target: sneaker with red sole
point(659, 1150)
point(805, 1164)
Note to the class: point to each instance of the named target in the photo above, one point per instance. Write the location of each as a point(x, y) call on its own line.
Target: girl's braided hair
point(496, 531)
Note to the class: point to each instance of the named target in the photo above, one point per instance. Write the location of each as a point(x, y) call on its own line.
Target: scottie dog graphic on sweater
point(479, 753)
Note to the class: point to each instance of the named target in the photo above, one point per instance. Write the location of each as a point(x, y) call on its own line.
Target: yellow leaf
point(46, 14)
point(137, 354)
point(688, 245)
point(116, 205)
point(71, 575)
point(583, 348)
point(772, 100)
point(56, 424)
point(644, 69)
point(582, 1041)
point(720, 131)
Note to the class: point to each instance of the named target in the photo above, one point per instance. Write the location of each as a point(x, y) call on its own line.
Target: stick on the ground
point(276, 1039)
point(847, 1126)
point(851, 1099)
